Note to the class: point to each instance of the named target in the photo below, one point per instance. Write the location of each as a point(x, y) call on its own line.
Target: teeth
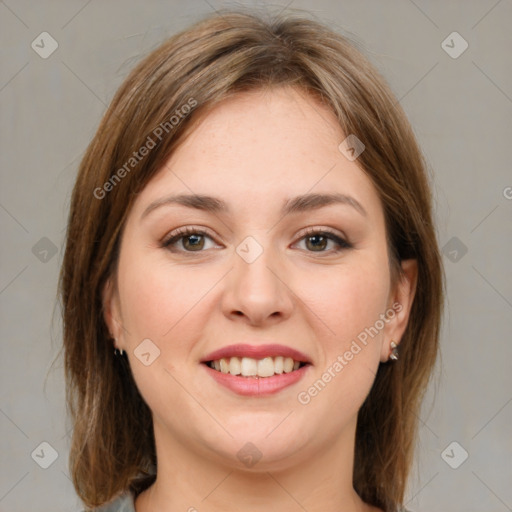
point(249, 367)
point(224, 365)
point(288, 365)
point(235, 366)
point(266, 367)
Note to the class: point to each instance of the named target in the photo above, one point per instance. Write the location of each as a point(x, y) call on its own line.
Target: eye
point(317, 240)
point(192, 240)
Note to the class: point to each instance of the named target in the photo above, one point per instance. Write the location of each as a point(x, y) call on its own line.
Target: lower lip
point(250, 386)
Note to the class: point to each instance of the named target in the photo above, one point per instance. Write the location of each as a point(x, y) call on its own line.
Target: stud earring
point(118, 351)
point(394, 351)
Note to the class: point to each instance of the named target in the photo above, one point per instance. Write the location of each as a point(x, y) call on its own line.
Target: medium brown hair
point(113, 445)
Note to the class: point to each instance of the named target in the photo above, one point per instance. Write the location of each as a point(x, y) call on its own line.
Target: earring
point(117, 351)
point(394, 351)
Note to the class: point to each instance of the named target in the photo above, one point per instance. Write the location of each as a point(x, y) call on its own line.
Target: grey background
point(461, 112)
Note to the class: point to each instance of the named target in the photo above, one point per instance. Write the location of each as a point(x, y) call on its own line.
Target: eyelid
point(322, 229)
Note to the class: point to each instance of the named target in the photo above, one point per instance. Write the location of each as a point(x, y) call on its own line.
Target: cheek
point(163, 303)
point(157, 297)
point(356, 296)
point(350, 357)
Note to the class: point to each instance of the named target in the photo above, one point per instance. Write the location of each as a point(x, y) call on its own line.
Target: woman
point(252, 288)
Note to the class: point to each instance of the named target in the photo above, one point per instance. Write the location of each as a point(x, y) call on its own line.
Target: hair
point(113, 447)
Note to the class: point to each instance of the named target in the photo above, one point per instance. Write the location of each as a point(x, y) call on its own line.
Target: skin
point(254, 151)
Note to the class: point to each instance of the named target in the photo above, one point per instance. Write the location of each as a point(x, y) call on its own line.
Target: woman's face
point(270, 270)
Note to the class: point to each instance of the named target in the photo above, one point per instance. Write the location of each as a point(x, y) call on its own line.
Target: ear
point(400, 303)
point(111, 312)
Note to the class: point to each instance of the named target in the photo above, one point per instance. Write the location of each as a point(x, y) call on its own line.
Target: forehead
point(266, 125)
point(262, 146)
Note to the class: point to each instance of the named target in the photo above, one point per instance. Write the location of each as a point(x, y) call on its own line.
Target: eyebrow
point(297, 204)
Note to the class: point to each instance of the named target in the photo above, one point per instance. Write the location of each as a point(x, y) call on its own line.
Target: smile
point(256, 369)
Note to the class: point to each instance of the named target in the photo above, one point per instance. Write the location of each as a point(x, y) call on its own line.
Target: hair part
point(113, 444)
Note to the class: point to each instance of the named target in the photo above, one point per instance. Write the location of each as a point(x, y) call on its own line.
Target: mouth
point(256, 370)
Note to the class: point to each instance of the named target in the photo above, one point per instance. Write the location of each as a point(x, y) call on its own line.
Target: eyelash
point(187, 231)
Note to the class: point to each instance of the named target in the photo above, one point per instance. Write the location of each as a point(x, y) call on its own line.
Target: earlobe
point(401, 300)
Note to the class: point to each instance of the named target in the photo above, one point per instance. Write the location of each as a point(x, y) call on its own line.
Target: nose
point(258, 292)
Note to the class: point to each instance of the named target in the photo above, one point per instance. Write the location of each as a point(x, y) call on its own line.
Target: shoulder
point(123, 503)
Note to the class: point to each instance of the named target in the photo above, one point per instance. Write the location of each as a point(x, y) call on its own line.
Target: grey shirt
point(125, 503)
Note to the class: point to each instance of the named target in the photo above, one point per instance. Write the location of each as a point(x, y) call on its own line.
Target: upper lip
point(256, 352)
